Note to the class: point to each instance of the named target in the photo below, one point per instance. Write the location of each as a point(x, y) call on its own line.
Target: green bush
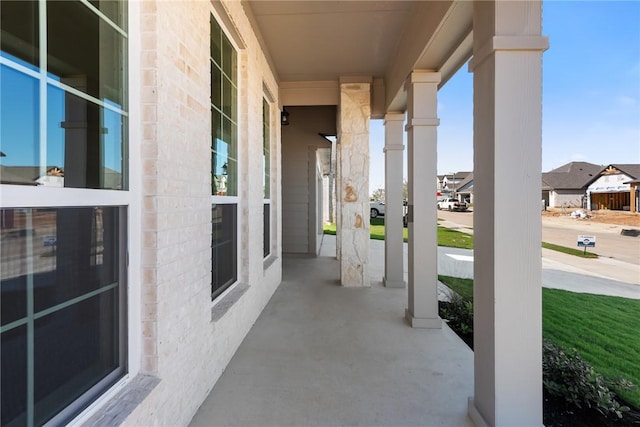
point(458, 312)
point(566, 375)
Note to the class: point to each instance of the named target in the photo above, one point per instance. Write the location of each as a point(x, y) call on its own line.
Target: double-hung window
point(63, 230)
point(266, 177)
point(224, 161)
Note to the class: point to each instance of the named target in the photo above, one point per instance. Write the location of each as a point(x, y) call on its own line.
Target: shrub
point(459, 315)
point(566, 375)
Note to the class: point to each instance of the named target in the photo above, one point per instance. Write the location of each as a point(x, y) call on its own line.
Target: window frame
point(267, 153)
point(34, 197)
point(218, 293)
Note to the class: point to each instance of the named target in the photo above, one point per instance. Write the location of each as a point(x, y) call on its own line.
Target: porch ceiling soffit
point(311, 44)
point(438, 37)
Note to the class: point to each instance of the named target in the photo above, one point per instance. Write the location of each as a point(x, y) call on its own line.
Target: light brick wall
point(181, 345)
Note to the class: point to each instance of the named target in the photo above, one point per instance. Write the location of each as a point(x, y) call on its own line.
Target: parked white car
point(377, 209)
point(452, 205)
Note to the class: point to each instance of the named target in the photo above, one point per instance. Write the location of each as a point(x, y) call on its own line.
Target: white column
point(393, 150)
point(422, 125)
point(507, 164)
point(353, 135)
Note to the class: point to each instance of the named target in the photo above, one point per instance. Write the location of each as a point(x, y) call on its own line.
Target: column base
point(475, 415)
point(394, 283)
point(423, 322)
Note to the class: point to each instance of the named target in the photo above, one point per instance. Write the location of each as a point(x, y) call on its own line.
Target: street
point(564, 231)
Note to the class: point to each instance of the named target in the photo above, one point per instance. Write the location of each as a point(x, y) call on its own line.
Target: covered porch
point(388, 60)
point(321, 354)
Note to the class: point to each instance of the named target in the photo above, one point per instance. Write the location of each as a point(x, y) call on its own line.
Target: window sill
point(223, 303)
point(269, 261)
point(118, 408)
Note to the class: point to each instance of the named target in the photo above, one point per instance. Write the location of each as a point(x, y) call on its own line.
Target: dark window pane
point(85, 254)
point(14, 239)
point(70, 258)
point(227, 54)
point(20, 130)
point(266, 154)
point(216, 47)
point(19, 25)
point(13, 376)
point(74, 349)
point(266, 244)
point(216, 90)
point(224, 247)
point(227, 102)
point(85, 143)
point(85, 52)
point(115, 10)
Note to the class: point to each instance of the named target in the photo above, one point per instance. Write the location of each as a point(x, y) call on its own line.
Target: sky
point(590, 95)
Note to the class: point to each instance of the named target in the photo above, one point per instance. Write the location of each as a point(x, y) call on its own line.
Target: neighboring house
point(439, 183)
point(126, 293)
point(566, 185)
point(465, 188)
point(615, 187)
point(451, 182)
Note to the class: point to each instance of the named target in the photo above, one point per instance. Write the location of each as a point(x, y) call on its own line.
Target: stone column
point(507, 81)
point(393, 150)
point(353, 136)
point(422, 125)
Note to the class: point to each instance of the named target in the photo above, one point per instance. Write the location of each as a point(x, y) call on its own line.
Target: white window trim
point(20, 196)
point(217, 11)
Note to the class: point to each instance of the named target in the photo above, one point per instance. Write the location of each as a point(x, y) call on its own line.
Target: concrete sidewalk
point(617, 278)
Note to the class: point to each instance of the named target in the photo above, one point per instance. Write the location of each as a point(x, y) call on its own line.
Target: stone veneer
point(186, 339)
point(353, 170)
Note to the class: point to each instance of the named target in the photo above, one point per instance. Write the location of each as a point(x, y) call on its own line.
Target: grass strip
point(603, 329)
point(446, 236)
point(571, 251)
point(454, 238)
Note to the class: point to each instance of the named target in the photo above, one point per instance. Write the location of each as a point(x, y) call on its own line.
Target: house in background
point(451, 182)
point(615, 188)
point(125, 294)
point(566, 185)
point(465, 188)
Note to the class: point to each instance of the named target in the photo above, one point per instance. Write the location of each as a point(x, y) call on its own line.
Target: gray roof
point(466, 185)
point(631, 169)
point(572, 176)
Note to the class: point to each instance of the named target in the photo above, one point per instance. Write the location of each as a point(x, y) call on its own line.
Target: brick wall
point(181, 345)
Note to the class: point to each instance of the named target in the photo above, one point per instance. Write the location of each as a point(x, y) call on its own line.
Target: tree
point(378, 195)
point(405, 190)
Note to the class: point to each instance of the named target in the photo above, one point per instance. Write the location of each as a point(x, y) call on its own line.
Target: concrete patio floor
point(324, 355)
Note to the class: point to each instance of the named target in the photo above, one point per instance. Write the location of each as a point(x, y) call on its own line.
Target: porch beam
point(422, 125)
point(393, 153)
point(507, 81)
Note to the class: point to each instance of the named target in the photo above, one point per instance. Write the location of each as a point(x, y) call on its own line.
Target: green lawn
point(454, 238)
point(446, 236)
point(571, 251)
point(604, 330)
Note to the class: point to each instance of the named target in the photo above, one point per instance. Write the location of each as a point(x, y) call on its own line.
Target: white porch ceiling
point(323, 40)
point(311, 41)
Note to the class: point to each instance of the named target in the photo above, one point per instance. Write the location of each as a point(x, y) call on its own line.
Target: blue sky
point(591, 93)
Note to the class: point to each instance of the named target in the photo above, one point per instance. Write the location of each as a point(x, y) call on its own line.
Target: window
point(61, 321)
point(224, 161)
point(266, 177)
point(69, 128)
point(63, 109)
